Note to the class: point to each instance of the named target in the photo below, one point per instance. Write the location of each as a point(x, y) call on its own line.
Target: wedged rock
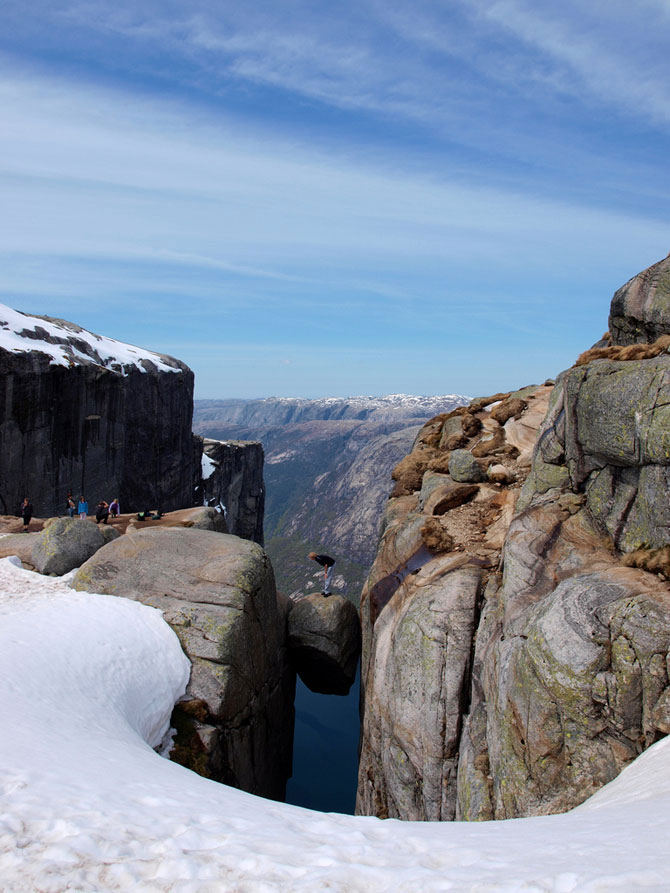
point(324, 640)
point(218, 594)
point(66, 543)
point(640, 309)
point(463, 467)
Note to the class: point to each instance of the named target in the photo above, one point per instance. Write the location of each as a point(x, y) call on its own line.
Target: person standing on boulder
point(326, 563)
point(26, 513)
point(82, 508)
point(70, 506)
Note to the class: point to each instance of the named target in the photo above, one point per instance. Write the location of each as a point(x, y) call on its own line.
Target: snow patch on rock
point(69, 345)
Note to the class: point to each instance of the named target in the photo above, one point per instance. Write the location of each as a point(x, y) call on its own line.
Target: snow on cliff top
point(87, 685)
point(368, 401)
point(69, 345)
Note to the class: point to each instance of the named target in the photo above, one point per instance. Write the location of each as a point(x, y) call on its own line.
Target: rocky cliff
point(232, 476)
point(516, 622)
point(85, 414)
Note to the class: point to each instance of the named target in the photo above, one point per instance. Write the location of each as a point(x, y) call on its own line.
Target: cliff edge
point(85, 414)
point(516, 622)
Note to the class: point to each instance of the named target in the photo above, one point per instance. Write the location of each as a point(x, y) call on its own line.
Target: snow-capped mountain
point(272, 411)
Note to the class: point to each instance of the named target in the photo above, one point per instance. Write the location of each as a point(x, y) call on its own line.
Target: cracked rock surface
point(559, 669)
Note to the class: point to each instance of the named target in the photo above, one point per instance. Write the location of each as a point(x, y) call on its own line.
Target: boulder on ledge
point(66, 543)
point(324, 638)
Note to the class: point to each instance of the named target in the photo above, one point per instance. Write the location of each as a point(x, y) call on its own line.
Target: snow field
point(88, 684)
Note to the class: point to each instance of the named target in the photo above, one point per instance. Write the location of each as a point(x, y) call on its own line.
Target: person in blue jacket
point(82, 508)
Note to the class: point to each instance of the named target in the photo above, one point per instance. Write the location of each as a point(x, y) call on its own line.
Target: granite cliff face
point(84, 414)
point(232, 475)
point(516, 622)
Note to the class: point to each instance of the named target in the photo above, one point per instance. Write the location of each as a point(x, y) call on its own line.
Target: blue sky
point(309, 199)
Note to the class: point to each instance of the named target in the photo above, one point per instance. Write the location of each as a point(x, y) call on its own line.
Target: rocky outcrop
point(218, 594)
point(66, 543)
point(559, 670)
point(415, 687)
point(324, 639)
point(21, 545)
point(640, 309)
point(84, 414)
point(440, 546)
point(232, 473)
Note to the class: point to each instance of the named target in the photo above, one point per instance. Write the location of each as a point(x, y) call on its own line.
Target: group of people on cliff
point(103, 509)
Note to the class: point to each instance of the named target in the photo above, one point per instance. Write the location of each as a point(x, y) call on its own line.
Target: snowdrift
point(88, 684)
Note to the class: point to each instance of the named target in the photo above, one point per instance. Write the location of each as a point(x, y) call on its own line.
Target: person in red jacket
point(326, 563)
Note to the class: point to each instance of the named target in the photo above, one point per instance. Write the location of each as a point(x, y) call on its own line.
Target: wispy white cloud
point(372, 55)
point(408, 168)
point(88, 168)
point(602, 49)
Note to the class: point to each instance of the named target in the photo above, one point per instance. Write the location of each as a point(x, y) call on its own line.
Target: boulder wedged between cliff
point(538, 658)
point(324, 640)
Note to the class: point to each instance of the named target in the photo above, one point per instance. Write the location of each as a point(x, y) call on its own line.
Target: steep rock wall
point(552, 669)
point(233, 477)
point(77, 418)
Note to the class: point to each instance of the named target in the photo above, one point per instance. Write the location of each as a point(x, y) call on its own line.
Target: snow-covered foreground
point(87, 684)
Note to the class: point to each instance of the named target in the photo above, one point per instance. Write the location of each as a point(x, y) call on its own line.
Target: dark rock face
point(236, 481)
point(563, 676)
point(84, 414)
point(218, 594)
point(90, 430)
point(324, 638)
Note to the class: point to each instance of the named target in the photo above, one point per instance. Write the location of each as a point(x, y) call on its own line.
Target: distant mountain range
point(328, 469)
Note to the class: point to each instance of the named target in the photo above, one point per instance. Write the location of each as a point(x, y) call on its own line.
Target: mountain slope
point(327, 473)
